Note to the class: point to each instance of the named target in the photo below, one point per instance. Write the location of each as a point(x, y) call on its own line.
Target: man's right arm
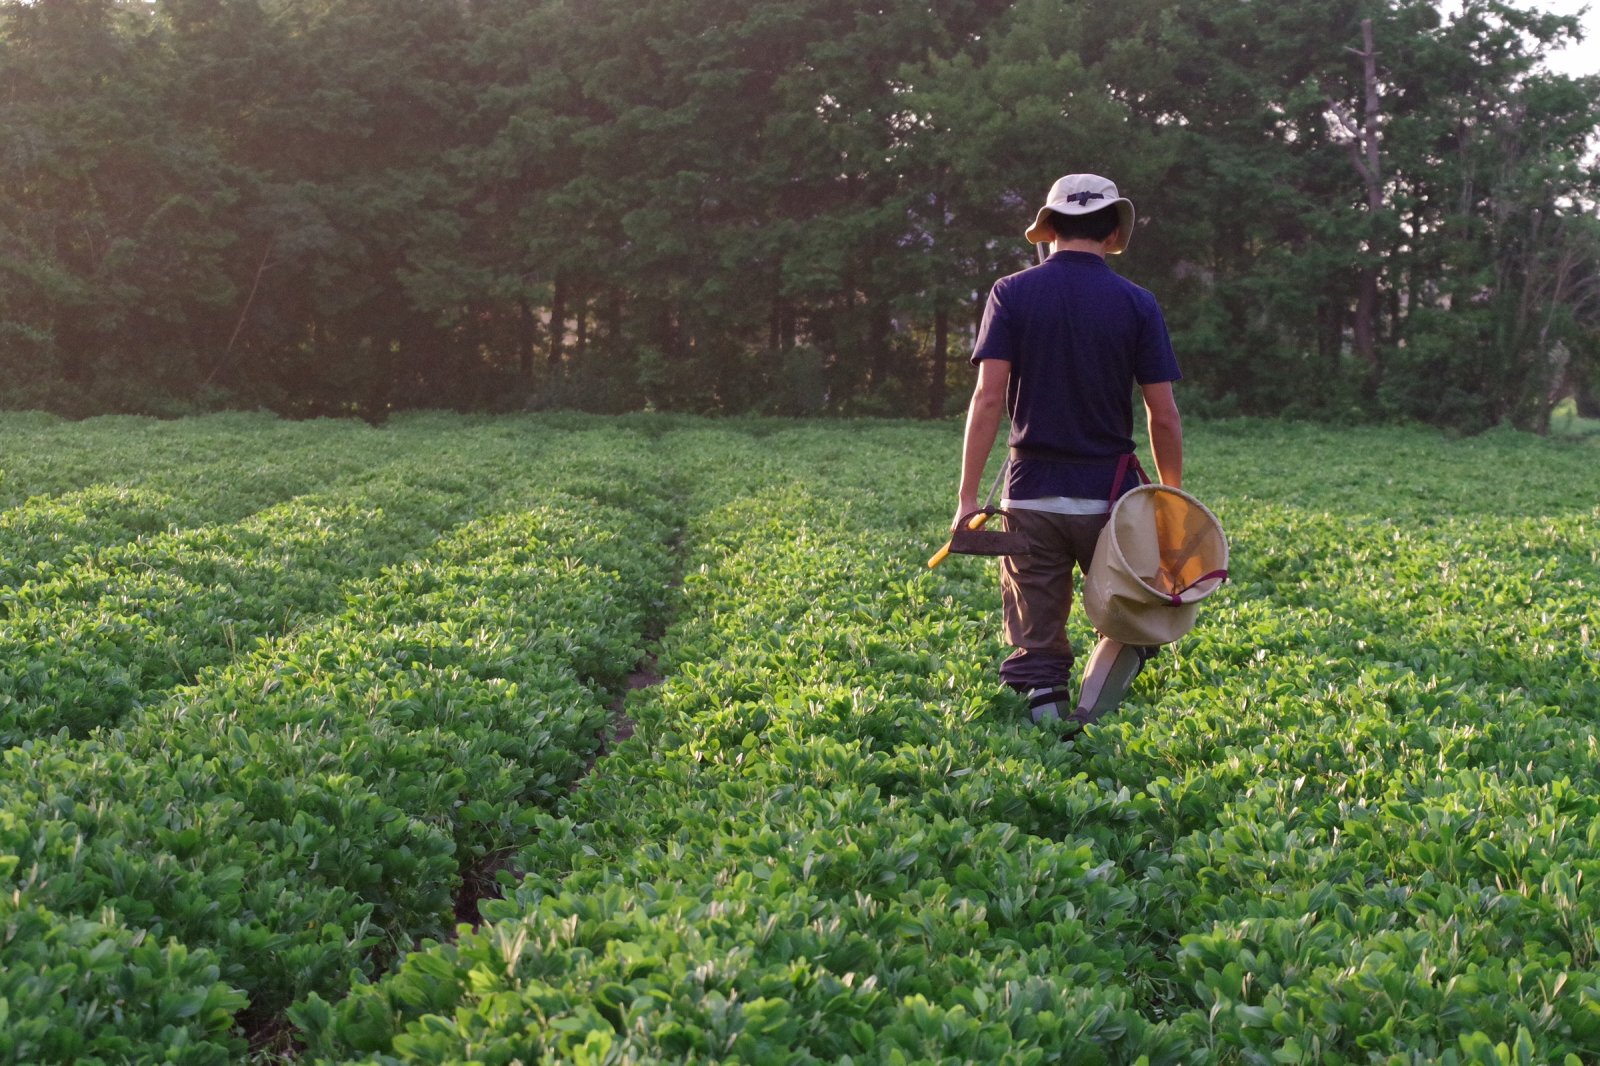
point(1166, 432)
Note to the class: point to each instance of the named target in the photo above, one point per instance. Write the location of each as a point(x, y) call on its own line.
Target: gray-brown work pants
point(1036, 594)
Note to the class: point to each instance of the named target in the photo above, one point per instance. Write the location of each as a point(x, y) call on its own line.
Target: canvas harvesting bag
point(1160, 553)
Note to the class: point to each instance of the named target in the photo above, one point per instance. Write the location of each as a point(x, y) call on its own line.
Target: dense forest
point(1350, 209)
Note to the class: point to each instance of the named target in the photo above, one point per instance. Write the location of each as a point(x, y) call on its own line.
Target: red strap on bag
point(1123, 462)
point(1177, 597)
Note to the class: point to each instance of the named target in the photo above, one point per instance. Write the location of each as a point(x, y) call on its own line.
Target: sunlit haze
point(1576, 59)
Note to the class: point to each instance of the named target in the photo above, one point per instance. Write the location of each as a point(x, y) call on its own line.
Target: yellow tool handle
point(977, 521)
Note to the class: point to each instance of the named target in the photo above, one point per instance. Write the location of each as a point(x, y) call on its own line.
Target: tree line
point(1349, 209)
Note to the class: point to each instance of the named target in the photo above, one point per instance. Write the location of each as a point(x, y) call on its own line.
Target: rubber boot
point(1107, 678)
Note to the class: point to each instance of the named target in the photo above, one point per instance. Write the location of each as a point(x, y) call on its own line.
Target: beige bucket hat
point(1079, 194)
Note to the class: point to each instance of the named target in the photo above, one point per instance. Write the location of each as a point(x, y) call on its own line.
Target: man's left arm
point(1166, 432)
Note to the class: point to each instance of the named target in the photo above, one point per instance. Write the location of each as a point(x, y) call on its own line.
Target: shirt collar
point(1075, 257)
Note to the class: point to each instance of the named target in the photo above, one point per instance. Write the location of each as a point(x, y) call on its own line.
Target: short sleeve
point(1154, 361)
point(995, 339)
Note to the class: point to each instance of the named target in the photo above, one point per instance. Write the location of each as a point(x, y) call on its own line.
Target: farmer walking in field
point(1060, 350)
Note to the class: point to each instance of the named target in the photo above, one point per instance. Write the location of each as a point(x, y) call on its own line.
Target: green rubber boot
point(1107, 678)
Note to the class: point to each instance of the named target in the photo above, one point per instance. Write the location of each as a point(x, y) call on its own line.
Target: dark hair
point(1094, 226)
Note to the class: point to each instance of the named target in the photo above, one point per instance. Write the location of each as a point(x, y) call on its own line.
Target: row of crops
point(253, 759)
point(282, 702)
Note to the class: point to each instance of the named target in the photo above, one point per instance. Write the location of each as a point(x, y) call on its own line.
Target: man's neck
point(1080, 245)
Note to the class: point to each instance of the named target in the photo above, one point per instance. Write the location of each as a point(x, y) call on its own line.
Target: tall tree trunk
point(1366, 334)
point(775, 314)
point(1330, 333)
point(1414, 273)
point(525, 342)
point(1365, 156)
point(788, 327)
point(613, 313)
point(878, 340)
point(73, 347)
point(665, 331)
point(1586, 393)
point(941, 358)
point(581, 340)
point(558, 323)
point(244, 311)
point(1392, 310)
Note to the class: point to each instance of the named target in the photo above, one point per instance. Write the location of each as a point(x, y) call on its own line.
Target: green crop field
point(315, 749)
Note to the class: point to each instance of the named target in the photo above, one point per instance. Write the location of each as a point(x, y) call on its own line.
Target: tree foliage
point(362, 205)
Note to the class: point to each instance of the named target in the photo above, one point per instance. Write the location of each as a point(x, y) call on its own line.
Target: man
point(1060, 350)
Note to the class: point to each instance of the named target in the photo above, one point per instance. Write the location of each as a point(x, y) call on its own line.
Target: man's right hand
point(983, 421)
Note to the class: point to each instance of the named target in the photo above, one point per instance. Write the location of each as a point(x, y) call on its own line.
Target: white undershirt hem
point(1058, 505)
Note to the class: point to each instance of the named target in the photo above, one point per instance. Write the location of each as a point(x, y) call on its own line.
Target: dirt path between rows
point(481, 881)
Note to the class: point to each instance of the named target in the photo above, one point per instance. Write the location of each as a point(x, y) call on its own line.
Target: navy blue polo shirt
point(1078, 337)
